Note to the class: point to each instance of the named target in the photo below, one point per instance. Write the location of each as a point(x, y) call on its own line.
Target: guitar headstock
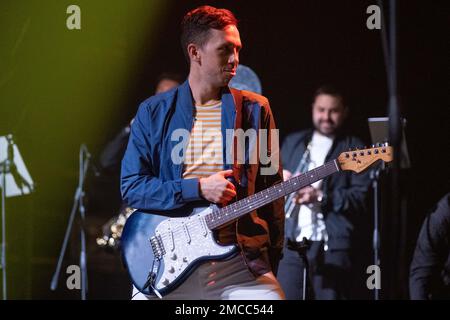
point(360, 159)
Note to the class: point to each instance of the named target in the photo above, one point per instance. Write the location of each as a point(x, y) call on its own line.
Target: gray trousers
point(223, 280)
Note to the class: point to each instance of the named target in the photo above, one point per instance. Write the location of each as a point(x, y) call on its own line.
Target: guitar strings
point(302, 179)
point(257, 202)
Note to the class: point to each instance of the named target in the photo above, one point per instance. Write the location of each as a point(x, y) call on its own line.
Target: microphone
point(88, 155)
point(86, 151)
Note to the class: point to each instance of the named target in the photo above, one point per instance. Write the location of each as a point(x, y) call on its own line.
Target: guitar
point(161, 252)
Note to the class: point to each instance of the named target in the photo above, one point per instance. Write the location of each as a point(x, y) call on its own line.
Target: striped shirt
point(204, 151)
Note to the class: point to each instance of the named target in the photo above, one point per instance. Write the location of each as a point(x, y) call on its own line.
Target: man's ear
point(194, 52)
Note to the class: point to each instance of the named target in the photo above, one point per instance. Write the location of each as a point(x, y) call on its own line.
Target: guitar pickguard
point(185, 242)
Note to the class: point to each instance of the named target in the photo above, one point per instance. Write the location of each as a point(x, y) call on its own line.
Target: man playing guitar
point(152, 178)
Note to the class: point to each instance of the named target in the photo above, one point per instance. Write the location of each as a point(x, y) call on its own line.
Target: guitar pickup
point(186, 233)
point(204, 226)
point(172, 241)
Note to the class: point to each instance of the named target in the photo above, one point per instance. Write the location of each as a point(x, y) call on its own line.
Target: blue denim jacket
point(150, 180)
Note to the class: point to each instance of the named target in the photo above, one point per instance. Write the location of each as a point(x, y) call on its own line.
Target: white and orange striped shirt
point(204, 152)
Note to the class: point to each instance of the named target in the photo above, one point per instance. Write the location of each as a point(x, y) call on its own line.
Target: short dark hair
point(196, 24)
point(330, 90)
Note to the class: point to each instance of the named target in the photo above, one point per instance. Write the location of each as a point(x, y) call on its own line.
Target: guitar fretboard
point(225, 215)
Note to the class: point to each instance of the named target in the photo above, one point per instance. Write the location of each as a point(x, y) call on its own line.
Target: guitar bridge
point(157, 247)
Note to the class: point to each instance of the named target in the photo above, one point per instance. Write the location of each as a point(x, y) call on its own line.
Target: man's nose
point(234, 58)
point(327, 115)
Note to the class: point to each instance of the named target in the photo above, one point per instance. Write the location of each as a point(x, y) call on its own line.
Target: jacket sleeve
point(349, 197)
point(352, 198)
point(273, 212)
point(140, 186)
point(432, 250)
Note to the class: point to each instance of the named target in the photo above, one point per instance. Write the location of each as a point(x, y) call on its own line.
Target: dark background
point(293, 46)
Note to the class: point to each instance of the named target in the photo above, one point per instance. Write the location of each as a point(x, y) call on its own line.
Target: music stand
point(15, 180)
point(379, 132)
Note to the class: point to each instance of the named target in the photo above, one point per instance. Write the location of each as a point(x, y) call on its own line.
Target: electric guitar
point(160, 252)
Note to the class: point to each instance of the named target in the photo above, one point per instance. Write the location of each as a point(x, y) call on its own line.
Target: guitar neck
point(225, 215)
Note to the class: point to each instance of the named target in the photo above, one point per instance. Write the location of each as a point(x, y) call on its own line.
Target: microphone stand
point(374, 178)
point(4, 169)
point(302, 248)
point(84, 157)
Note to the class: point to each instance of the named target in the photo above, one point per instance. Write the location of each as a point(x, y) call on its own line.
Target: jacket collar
point(185, 104)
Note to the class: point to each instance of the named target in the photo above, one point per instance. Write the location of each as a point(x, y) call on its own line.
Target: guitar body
point(183, 242)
